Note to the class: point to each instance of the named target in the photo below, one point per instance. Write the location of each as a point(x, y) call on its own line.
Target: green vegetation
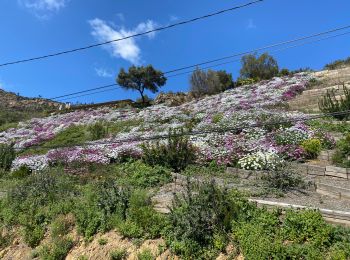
point(7, 155)
point(119, 254)
point(210, 82)
point(145, 255)
point(342, 153)
point(177, 153)
point(141, 79)
point(283, 179)
point(312, 147)
point(337, 64)
point(258, 67)
point(330, 104)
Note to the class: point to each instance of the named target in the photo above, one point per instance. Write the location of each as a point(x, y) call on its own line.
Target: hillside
point(119, 183)
point(15, 108)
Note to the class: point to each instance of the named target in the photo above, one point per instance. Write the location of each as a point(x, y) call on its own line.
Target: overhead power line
point(131, 36)
point(194, 133)
point(212, 61)
point(260, 49)
point(273, 51)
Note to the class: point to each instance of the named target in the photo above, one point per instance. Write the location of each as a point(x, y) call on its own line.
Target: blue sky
point(36, 27)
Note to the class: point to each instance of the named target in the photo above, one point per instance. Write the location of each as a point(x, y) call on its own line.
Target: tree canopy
point(141, 78)
point(258, 67)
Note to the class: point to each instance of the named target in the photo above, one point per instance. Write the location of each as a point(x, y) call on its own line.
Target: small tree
point(210, 82)
point(262, 67)
point(141, 78)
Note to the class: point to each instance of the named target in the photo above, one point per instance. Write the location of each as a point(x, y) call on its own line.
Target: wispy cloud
point(173, 18)
point(103, 73)
point(127, 49)
point(121, 16)
point(251, 24)
point(43, 9)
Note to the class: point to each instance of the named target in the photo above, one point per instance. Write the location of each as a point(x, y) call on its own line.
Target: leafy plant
point(283, 179)
point(7, 155)
point(98, 131)
point(145, 255)
point(261, 67)
point(198, 215)
point(330, 104)
point(177, 153)
point(342, 153)
point(141, 175)
point(312, 147)
point(119, 254)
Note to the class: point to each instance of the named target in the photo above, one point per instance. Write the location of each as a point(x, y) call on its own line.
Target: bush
point(98, 131)
point(330, 104)
point(142, 220)
point(99, 204)
point(119, 254)
point(7, 155)
point(312, 147)
point(337, 64)
point(176, 154)
point(56, 250)
point(198, 216)
point(23, 172)
point(342, 153)
point(244, 82)
point(145, 255)
point(306, 226)
point(142, 175)
point(262, 67)
point(210, 82)
point(73, 135)
point(284, 179)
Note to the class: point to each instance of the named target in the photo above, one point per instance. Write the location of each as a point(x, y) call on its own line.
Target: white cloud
point(125, 49)
point(43, 9)
point(103, 73)
point(251, 24)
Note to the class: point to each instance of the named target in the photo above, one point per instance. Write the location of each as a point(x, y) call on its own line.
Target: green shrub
point(33, 234)
point(306, 226)
point(102, 241)
point(284, 179)
point(142, 220)
point(260, 67)
point(244, 82)
point(7, 155)
point(342, 152)
point(312, 147)
point(56, 250)
point(145, 255)
point(60, 226)
point(94, 211)
point(217, 118)
point(119, 254)
point(330, 104)
point(142, 175)
point(176, 154)
point(337, 64)
point(21, 173)
point(98, 131)
point(33, 202)
point(199, 216)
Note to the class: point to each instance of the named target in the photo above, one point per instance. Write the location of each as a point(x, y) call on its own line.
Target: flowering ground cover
point(242, 107)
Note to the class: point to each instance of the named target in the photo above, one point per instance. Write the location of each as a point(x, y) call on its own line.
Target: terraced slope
point(328, 79)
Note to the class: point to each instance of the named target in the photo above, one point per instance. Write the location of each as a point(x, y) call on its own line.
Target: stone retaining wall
point(332, 191)
point(305, 169)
